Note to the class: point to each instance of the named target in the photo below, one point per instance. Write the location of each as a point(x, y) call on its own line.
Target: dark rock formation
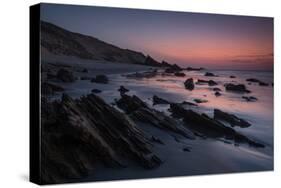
point(85, 70)
point(50, 89)
point(86, 78)
point(217, 94)
point(257, 81)
point(147, 74)
point(65, 75)
point(186, 149)
point(232, 76)
point(194, 69)
point(209, 82)
point(209, 74)
point(123, 90)
point(188, 103)
point(140, 112)
point(179, 74)
point(203, 125)
point(158, 100)
point(263, 84)
point(189, 84)
point(170, 71)
point(250, 98)
point(102, 79)
point(78, 134)
point(236, 88)
point(96, 91)
point(151, 62)
point(231, 119)
point(216, 89)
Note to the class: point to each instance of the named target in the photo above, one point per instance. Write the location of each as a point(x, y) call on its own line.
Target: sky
point(188, 39)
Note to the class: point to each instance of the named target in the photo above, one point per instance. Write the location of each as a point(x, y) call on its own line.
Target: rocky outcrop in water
point(189, 84)
point(65, 75)
point(231, 119)
point(123, 90)
point(203, 125)
point(179, 74)
point(158, 100)
point(257, 81)
point(236, 88)
point(78, 134)
point(194, 69)
point(250, 98)
point(101, 79)
point(209, 82)
point(50, 89)
point(210, 74)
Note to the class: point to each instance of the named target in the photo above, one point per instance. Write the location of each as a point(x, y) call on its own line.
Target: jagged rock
point(140, 112)
point(102, 79)
point(209, 74)
point(231, 119)
point(123, 90)
point(257, 81)
point(96, 91)
point(217, 94)
point(216, 89)
point(65, 75)
point(50, 89)
point(179, 74)
point(78, 134)
point(209, 82)
point(189, 84)
point(158, 100)
point(200, 100)
point(194, 69)
point(203, 125)
point(236, 88)
point(250, 98)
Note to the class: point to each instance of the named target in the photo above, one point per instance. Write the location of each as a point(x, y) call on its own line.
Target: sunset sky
point(188, 39)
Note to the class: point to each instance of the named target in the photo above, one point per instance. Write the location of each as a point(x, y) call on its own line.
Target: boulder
point(189, 84)
point(101, 79)
point(231, 119)
point(236, 88)
point(209, 74)
point(65, 75)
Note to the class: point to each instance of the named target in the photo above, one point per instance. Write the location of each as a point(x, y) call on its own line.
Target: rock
point(65, 75)
point(96, 91)
point(209, 74)
point(263, 84)
point(250, 98)
point(200, 100)
point(212, 83)
point(231, 119)
point(151, 62)
point(78, 134)
point(85, 70)
point(189, 84)
point(188, 103)
point(236, 88)
point(123, 90)
point(209, 82)
point(257, 81)
point(140, 112)
point(147, 74)
point(194, 69)
point(186, 149)
point(157, 140)
point(158, 100)
point(201, 124)
point(232, 76)
point(102, 79)
point(217, 94)
point(170, 71)
point(216, 89)
point(50, 89)
point(179, 74)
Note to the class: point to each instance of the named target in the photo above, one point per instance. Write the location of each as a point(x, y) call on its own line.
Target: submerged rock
point(209, 74)
point(250, 98)
point(102, 79)
point(189, 103)
point(257, 81)
point(205, 126)
point(189, 84)
point(232, 76)
point(78, 134)
point(209, 82)
point(230, 118)
point(179, 74)
point(236, 88)
point(158, 100)
point(65, 75)
point(96, 91)
point(194, 69)
point(216, 89)
point(217, 94)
